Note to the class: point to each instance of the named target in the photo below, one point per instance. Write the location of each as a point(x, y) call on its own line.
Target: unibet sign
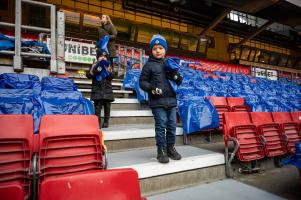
point(79, 52)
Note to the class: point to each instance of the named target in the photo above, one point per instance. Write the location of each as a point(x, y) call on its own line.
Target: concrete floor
point(283, 182)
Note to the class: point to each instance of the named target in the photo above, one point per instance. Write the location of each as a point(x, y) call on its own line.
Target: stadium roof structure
point(215, 14)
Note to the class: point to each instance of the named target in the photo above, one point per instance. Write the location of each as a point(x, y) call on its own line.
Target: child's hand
point(110, 69)
point(157, 91)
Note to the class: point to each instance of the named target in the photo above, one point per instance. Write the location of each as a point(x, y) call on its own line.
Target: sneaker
point(162, 155)
point(172, 153)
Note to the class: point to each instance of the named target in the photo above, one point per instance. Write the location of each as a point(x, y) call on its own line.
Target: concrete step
point(197, 165)
point(128, 104)
point(227, 189)
point(117, 93)
point(119, 117)
point(131, 136)
point(87, 84)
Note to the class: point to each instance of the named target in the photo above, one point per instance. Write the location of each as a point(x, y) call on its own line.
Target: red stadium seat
point(221, 106)
point(296, 117)
point(237, 104)
point(289, 128)
point(275, 144)
point(68, 144)
point(239, 126)
point(115, 184)
point(16, 144)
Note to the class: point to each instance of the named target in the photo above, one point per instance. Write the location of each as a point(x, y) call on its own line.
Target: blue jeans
point(165, 125)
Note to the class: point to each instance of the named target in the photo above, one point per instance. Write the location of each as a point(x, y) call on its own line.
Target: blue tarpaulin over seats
point(58, 84)
point(21, 94)
point(21, 101)
point(197, 114)
point(67, 102)
point(20, 81)
point(60, 96)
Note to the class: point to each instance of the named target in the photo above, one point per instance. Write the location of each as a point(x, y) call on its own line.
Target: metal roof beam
point(215, 22)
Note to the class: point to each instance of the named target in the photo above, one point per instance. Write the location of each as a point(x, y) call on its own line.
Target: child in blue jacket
point(162, 99)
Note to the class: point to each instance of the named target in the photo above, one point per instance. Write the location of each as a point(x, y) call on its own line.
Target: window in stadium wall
point(283, 60)
point(245, 53)
point(274, 58)
point(145, 33)
point(291, 62)
point(188, 43)
point(175, 39)
point(264, 57)
point(237, 53)
point(124, 29)
point(91, 24)
point(257, 55)
point(72, 21)
point(133, 33)
point(252, 55)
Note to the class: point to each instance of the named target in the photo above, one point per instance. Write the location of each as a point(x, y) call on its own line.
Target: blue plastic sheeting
point(39, 45)
point(103, 64)
point(172, 64)
point(103, 43)
point(20, 81)
point(21, 101)
point(294, 159)
point(67, 102)
point(142, 96)
point(58, 84)
point(197, 114)
point(131, 77)
point(8, 43)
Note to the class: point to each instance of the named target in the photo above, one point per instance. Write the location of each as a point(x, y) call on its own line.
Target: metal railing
point(17, 63)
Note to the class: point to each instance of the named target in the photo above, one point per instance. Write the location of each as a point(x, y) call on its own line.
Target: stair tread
point(145, 163)
point(132, 131)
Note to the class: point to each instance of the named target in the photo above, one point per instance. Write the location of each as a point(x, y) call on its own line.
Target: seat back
point(69, 143)
point(239, 126)
point(271, 131)
point(260, 118)
point(218, 101)
point(289, 127)
point(235, 101)
point(121, 184)
point(296, 117)
point(16, 144)
point(281, 117)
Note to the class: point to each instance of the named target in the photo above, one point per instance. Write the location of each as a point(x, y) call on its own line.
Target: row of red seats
point(260, 134)
point(64, 161)
point(227, 104)
point(212, 66)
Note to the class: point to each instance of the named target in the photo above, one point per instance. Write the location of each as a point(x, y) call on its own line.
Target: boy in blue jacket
point(162, 99)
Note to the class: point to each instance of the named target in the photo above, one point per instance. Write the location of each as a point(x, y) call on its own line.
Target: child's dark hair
point(101, 52)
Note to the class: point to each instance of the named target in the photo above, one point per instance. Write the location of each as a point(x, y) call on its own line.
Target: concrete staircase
point(131, 143)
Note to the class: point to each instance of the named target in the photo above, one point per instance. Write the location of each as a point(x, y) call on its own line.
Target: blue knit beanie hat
point(158, 39)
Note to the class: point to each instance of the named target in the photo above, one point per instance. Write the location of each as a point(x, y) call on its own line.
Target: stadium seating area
point(67, 152)
point(226, 91)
